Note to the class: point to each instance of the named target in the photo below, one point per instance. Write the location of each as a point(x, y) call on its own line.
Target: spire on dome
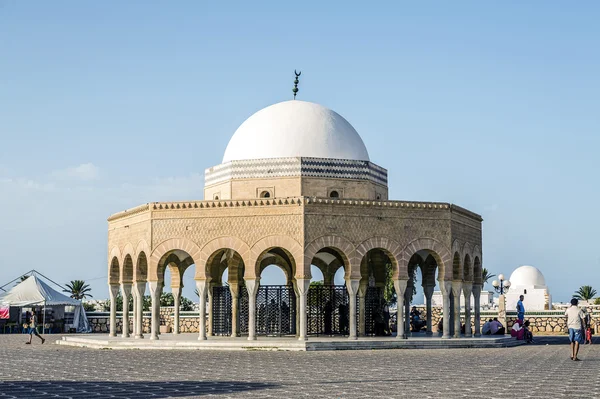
point(296, 81)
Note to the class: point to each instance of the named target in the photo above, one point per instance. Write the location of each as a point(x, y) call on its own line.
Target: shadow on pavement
point(125, 389)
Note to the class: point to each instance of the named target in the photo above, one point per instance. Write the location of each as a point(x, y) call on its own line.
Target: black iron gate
point(328, 310)
point(275, 310)
point(373, 299)
point(221, 310)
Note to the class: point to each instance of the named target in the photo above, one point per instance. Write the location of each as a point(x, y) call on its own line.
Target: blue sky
point(107, 105)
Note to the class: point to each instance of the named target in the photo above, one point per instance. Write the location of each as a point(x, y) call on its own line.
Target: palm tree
point(585, 293)
point(485, 275)
point(78, 289)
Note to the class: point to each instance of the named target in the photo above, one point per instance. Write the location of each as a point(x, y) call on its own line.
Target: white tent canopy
point(34, 292)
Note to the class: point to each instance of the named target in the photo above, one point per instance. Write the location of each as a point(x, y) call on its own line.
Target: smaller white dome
point(527, 276)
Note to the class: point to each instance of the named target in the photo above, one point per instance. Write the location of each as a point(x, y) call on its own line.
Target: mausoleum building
point(296, 188)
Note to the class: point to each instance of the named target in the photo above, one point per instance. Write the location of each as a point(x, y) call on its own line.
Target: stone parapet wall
point(541, 321)
point(189, 322)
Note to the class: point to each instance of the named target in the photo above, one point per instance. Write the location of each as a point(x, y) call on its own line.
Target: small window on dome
point(378, 196)
point(216, 197)
point(265, 194)
point(524, 291)
point(334, 194)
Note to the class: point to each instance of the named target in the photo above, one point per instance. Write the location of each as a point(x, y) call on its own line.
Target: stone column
point(135, 308)
point(211, 315)
point(477, 306)
point(407, 294)
point(362, 303)
point(252, 287)
point(502, 311)
point(125, 292)
point(113, 292)
point(155, 290)
point(202, 286)
point(446, 287)
point(428, 291)
point(352, 288)
point(303, 285)
point(297, 293)
point(234, 288)
point(139, 289)
point(467, 288)
point(400, 286)
point(457, 293)
point(176, 298)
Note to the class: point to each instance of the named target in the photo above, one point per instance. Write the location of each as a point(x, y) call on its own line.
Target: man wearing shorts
point(33, 329)
point(575, 317)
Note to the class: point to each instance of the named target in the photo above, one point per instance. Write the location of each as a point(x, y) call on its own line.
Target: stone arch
point(165, 248)
point(211, 249)
point(468, 268)
point(390, 247)
point(114, 270)
point(292, 249)
point(343, 247)
point(127, 250)
point(140, 272)
point(114, 261)
point(477, 267)
point(142, 246)
point(127, 269)
point(433, 247)
point(456, 267)
point(457, 257)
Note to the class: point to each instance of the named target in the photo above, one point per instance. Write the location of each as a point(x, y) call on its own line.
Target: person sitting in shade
point(496, 328)
point(528, 335)
point(485, 330)
point(517, 330)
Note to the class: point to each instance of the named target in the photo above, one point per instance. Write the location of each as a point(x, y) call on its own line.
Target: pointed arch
point(390, 247)
point(433, 247)
point(291, 247)
point(457, 260)
point(209, 251)
point(174, 244)
point(343, 247)
point(114, 261)
point(127, 269)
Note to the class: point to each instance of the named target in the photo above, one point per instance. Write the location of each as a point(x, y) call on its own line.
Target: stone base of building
point(191, 342)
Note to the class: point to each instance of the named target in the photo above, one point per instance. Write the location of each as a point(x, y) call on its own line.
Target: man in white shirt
point(575, 319)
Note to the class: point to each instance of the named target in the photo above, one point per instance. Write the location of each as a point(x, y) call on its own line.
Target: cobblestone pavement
point(543, 370)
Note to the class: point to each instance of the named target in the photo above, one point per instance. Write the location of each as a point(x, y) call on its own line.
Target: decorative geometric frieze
point(297, 166)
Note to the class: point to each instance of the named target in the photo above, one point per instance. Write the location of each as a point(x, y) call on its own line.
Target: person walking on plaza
point(575, 320)
point(521, 308)
point(33, 329)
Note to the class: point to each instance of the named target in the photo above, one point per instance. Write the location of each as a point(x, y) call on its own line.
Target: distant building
point(530, 282)
point(487, 299)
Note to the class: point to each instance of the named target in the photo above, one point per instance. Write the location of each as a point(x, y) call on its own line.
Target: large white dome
point(527, 276)
point(295, 129)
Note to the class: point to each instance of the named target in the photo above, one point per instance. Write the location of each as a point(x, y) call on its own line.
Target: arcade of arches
point(241, 306)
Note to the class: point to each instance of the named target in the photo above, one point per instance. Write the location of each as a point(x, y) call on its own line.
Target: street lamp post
point(502, 288)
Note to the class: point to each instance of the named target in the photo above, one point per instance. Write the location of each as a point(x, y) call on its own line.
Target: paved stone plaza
point(536, 371)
